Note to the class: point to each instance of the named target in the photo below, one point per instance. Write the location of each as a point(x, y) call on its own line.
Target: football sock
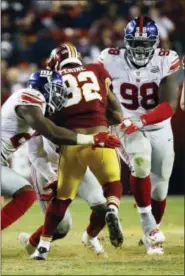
point(141, 189)
point(17, 207)
point(113, 192)
point(35, 237)
point(54, 214)
point(148, 222)
point(158, 208)
point(97, 223)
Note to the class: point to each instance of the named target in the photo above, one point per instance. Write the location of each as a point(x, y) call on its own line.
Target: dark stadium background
point(31, 29)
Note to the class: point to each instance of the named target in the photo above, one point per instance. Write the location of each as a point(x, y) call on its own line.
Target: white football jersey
point(14, 130)
point(137, 89)
point(51, 150)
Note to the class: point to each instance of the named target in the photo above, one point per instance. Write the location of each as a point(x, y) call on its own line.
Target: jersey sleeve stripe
point(29, 99)
point(100, 60)
point(175, 60)
point(175, 65)
point(33, 96)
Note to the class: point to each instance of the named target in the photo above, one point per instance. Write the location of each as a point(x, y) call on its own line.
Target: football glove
point(106, 139)
point(131, 125)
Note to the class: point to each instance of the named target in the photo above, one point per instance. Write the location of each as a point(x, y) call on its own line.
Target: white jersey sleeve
point(14, 130)
point(39, 158)
point(170, 62)
point(104, 56)
point(33, 97)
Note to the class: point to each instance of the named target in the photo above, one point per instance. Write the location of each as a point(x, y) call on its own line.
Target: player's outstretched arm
point(114, 110)
point(59, 135)
point(35, 118)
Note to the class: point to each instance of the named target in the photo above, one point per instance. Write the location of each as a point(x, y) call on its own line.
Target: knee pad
point(140, 166)
point(159, 188)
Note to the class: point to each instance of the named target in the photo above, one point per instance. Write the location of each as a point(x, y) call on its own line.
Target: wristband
point(83, 139)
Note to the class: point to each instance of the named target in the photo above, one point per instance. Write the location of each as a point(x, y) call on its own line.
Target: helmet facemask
point(140, 50)
point(58, 96)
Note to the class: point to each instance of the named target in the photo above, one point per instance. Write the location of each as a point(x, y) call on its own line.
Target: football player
point(145, 83)
point(44, 159)
point(89, 88)
point(22, 115)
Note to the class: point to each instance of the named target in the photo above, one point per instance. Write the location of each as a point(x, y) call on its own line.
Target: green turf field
point(70, 257)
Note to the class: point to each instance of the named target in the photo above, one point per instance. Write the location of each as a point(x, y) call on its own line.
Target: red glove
point(106, 139)
point(130, 126)
point(51, 185)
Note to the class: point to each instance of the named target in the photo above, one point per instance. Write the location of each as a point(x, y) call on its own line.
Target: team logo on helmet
point(141, 39)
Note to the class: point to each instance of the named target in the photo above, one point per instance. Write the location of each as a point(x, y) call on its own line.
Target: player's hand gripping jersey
point(14, 130)
point(86, 106)
point(137, 89)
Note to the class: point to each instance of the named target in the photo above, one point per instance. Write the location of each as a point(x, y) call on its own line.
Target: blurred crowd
point(32, 28)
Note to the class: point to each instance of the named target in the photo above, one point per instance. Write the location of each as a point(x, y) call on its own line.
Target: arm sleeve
point(39, 159)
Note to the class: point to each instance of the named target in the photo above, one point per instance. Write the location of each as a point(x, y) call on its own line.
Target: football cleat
point(155, 237)
point(24, 240)
point(151, 249)
point(114, 227)
point(93, 244)
point(40, 254)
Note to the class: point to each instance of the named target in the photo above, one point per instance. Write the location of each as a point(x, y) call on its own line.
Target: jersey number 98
point(148, 94)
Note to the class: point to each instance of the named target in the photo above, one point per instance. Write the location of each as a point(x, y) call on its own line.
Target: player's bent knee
point(140, 167)
point(160, 192)
point(27, 187)
point(95, 200)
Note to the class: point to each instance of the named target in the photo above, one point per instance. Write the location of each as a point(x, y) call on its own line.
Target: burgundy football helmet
point(65, 54)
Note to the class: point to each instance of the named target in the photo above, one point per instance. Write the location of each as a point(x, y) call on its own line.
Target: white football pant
point(151, 153)
point(11, 182)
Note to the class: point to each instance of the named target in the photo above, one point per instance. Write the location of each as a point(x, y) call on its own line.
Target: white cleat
point(151, 249)
point(114, 226)
point(93, 244)
point(155, 237)
point(24, 240)
point(40, 254)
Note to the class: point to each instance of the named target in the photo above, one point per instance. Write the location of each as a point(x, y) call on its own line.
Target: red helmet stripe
point(141, 23)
